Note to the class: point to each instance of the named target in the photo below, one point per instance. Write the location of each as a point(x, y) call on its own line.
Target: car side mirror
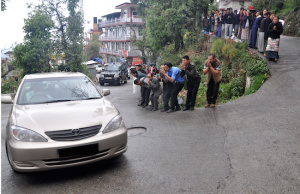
point(105, 92)
point(6, 99)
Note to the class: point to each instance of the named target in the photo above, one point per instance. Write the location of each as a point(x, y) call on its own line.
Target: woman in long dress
point(274, 31)
point(254, 33)
point(261, 35)
point(246, 24)
point(217, 20)
point(220, 25)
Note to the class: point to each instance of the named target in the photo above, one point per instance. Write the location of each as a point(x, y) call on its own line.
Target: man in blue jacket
point(172, 74)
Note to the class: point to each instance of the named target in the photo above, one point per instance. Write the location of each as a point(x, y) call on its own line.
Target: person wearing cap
point(172, 74)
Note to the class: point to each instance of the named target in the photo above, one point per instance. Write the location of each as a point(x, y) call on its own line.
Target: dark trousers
point(168, 87)
point(154, 100)
point(177, 88)
point(191, 94)
point(145, 93)
point(212, 92)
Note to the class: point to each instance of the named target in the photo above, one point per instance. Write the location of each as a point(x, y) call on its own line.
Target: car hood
point(64, 115)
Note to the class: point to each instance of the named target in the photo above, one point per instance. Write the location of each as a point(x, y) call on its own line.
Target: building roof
point(113, 15)
point(126, 5)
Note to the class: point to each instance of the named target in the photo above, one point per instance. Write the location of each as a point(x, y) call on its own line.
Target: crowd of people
point(261, 29)
point(173, 80)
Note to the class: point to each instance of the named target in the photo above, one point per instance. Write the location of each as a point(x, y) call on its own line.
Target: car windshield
point(50, 90)
point(111, 67)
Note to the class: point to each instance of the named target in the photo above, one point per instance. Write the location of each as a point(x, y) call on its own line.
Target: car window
point(111, 68)
point(36, 91)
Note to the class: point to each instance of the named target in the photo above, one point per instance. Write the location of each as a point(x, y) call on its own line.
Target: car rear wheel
point(102, 84)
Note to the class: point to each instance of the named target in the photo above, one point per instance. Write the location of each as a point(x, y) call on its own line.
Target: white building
point(121, 29)
point(234, 4)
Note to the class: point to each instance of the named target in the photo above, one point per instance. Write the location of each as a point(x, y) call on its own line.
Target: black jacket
point(237, 19)
point(227, 19)
point(268, 21)
point(262, 25)
point(274, 34)
point(244, 21)
point(191, 73)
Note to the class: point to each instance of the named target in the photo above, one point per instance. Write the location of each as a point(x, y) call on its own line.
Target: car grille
point(108, 75)
point(75, 159)
point(74, 134)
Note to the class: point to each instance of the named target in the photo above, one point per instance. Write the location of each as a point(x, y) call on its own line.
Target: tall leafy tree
point(69, 35)
point(93, 46)
point(167, 21)
point(33, 55)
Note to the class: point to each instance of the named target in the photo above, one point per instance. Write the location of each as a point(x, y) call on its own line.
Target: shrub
point(217, 47)
point(256, 67)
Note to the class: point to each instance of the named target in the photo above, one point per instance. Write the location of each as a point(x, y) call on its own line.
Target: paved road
point(250, 145)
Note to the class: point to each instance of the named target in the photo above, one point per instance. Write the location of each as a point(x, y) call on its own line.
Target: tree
point(167, 21)
point(3, 5)
point(68, 37)
point(33, 55)
point(93, 47)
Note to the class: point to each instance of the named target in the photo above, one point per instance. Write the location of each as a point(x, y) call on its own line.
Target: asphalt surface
point(249, 145)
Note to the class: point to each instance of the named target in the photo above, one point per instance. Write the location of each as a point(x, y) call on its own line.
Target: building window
point(140, 31)
point(134, 14)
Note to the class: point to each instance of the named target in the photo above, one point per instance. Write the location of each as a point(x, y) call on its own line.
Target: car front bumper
point(113, 80)
point(40, 156)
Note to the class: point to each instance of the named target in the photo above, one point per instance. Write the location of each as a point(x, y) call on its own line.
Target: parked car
point(60, 120)
point(114, 73)
point(99, 68)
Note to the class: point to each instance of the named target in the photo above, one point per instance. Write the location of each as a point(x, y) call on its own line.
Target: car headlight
point(23, 134)
point(116, 123)
point(101, 75)
point(116, 75)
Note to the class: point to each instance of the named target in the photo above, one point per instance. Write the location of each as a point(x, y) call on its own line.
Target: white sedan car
point(60, 120)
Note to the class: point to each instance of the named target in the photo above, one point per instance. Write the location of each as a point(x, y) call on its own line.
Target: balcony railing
point(120, 20)
point(120, 53)
point(124, 38)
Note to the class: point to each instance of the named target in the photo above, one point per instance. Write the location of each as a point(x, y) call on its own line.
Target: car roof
point(54, 74)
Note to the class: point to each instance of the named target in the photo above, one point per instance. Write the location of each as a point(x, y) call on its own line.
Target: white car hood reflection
point(64, 115)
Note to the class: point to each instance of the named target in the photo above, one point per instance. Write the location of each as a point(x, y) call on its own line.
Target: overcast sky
point(12, 19)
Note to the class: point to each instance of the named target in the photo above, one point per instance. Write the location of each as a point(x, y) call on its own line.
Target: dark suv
point(114, 73)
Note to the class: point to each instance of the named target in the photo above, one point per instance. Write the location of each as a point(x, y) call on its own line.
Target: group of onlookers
point(173, 80)
point(261, 29)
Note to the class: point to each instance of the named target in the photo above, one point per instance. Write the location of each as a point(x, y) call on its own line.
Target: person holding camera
point(172, 75)
point(194, 79)
point(156, 91)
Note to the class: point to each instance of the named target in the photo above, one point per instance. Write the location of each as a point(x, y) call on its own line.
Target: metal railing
point(120, 20)
point(119, 38)
point(118, 52)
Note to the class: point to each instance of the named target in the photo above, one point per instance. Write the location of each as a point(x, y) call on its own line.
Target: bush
point(217, 47)
point(256, 67)
point(11, 85)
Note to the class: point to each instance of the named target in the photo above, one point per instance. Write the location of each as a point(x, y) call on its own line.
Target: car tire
point(9, 160)
point(120, 82)
point(102, 84)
